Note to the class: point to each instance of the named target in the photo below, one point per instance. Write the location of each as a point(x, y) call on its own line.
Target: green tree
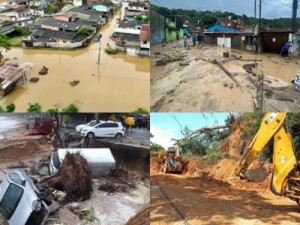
point(53, 110)
point(35, 107)
point(72, 108)
point(19, 30)
point(156, 147)
point(84, 30)
point(11, 107)
point(50, 8)
point(4, 42)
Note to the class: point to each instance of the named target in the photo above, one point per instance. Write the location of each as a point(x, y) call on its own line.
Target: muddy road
point(207, 197)
point(189, 81)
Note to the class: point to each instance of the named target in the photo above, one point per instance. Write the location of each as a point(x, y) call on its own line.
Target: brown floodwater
point(121, 83)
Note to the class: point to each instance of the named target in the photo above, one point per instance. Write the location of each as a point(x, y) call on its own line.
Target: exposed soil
point(187, 80)
point(208, 192)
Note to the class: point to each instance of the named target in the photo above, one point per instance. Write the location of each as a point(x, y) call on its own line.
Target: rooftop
point(217, 28)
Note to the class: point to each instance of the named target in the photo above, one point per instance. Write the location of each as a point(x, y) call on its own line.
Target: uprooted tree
point(74, 177)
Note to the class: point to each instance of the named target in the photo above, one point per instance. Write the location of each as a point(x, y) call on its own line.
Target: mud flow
point(75, 196)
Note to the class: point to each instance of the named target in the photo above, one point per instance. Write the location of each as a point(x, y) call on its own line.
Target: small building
point(145, 40)
point(127, 40)
point(135, 24)
point(137, 6)
point(84, 13)
point(273, 39)
point(220, 35)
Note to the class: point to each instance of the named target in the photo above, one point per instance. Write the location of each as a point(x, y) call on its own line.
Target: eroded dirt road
point(187, 80)
point(208, 197)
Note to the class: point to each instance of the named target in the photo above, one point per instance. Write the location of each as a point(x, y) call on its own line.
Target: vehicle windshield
point(56, 160)
point(10, 200)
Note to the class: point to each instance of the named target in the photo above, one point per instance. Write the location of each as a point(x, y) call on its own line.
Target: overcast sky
point(270, 8)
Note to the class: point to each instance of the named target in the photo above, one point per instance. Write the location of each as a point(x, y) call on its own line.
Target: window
point(145, 42)
point(56, 160)
point(10, 200)
point(105, 125)
point(15, 178)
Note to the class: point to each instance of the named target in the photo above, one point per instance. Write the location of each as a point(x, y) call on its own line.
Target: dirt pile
point(74, 177)
point(142, 217)
point(20, 149)
point(157, 162)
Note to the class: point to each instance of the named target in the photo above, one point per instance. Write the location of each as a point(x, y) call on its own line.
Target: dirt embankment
point(190, 80)
point(210, 193)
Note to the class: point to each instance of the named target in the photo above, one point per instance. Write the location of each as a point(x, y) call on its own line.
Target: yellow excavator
point(286, 174)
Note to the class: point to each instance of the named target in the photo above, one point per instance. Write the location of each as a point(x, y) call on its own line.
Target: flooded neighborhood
point(88, 76)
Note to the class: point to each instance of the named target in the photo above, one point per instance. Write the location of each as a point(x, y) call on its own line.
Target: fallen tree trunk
point(229, 74)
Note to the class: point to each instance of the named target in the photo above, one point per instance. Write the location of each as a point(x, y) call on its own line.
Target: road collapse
point(73, 194)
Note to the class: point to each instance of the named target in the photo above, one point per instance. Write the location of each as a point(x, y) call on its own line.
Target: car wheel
point(118, 136)
point(90, 135)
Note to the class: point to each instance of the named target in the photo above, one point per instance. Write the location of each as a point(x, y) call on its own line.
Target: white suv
point(104, 129)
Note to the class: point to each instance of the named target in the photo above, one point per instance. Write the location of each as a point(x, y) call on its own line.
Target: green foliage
point(53, 110)
point(83, 30)
point(72, 108)
point(203, 144)
point(215, 153)
point(156, 147)
point(1, 109)
point(251, 122)
point(109, 50)
point(35, 107)
point(19, 30)
point(11, 107)
point(4, 42)
point(50, 8)
point(143, 18)
point(210, 17)
point(140, 110)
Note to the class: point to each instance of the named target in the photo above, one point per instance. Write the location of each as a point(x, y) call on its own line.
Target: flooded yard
point(119, 83)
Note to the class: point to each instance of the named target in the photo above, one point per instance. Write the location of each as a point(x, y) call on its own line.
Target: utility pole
point(259, 29)
point(255, 9)
point(294, 22)
point(99, 51)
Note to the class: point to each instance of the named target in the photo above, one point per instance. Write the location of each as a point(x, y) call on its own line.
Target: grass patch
point(15, 41)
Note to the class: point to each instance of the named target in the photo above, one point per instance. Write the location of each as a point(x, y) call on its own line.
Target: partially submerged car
point(100, 160)
point(20, 201)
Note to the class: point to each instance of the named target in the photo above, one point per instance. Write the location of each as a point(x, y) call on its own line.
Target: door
point(106, 130)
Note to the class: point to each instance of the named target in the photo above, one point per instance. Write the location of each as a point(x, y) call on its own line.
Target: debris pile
point(74, 177)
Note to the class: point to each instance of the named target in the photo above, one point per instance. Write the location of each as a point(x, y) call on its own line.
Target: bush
point(109, 50)
point(11, 107)
point(141, 110)
point(72, 108)
point(36, 107)
point(84, 30)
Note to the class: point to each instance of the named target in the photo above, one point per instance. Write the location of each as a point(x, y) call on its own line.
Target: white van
point(100, 160)
point(20, 201)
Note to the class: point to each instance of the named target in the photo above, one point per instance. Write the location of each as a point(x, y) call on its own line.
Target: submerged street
point(119, 83)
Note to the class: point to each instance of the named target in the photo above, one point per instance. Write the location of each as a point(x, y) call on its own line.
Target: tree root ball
point(74, 177)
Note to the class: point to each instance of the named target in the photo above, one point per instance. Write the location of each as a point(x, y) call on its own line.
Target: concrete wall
point(129, 157)
point(157, 27)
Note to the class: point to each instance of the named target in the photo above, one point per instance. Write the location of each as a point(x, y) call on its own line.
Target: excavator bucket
point(256, 175)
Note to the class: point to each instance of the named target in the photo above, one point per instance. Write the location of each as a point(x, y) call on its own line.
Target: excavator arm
point(272, 127)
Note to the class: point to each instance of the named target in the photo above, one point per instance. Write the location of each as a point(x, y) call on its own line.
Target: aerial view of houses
point(92, 49)
point(201, 53)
